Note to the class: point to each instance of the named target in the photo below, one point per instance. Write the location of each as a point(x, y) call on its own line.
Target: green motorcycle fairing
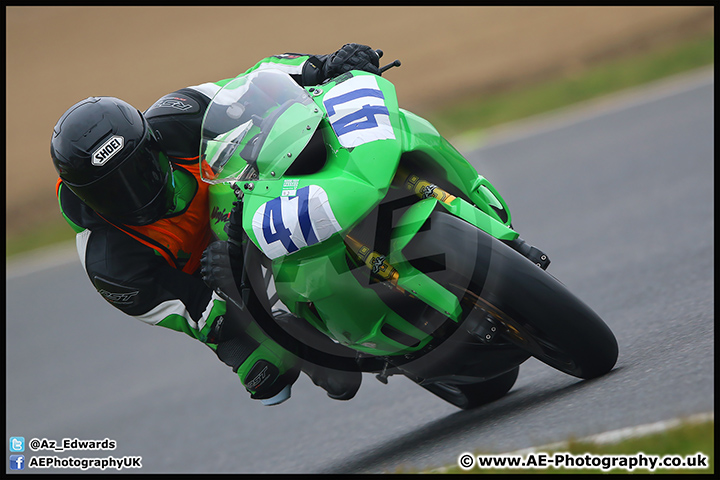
point(316, 165)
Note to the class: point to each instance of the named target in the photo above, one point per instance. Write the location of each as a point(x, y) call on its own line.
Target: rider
point(130, 187)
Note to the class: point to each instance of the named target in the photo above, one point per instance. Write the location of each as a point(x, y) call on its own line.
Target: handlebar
point(395, 63)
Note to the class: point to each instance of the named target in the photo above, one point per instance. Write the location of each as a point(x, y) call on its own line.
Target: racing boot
point(266, 370)
point(339, 384)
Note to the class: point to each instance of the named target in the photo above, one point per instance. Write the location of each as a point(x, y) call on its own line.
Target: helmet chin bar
point(161, 205)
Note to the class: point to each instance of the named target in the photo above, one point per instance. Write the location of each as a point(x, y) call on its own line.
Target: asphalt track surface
point(618, 193)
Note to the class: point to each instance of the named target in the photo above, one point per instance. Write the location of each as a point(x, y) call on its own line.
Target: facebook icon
point(17, 462)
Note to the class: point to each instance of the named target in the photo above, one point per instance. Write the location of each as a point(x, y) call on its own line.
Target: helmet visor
point(135, 192)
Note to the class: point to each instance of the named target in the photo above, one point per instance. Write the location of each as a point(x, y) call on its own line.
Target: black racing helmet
point(107, 154)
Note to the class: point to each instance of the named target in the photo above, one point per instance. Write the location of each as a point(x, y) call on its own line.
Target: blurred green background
point(463, 67)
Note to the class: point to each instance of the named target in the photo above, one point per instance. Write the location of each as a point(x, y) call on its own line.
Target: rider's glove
point(352, 56)
point(215, 266)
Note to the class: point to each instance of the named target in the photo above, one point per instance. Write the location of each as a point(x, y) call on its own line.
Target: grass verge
point(610, 76)
point(51, 233)
point(681, 443)
point(487, 111)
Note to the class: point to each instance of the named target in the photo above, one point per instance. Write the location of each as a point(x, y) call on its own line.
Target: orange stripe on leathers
point(189, 232)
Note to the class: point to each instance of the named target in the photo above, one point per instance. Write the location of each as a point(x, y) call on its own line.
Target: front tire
point(539, 314)
point(530, 308)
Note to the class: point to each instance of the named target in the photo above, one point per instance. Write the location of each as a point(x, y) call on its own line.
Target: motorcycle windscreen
point(256, 124)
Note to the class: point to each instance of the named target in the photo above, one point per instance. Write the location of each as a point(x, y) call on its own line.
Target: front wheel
point(539, 314)
point(528, 307)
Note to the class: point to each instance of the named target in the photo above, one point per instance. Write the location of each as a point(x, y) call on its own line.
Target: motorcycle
point(371, 244)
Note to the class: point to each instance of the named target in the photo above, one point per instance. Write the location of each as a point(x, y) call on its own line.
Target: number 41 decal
point(286, 224)
point(357, 112)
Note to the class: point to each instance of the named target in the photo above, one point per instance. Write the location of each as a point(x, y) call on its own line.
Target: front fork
point(425, 189)
point(384, 269)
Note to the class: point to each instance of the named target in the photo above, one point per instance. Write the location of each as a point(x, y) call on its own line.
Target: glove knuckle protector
point(352, 56)
point(215, 265)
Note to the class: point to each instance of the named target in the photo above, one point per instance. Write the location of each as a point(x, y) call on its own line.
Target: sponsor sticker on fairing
point(357, 112)
point(288, 223)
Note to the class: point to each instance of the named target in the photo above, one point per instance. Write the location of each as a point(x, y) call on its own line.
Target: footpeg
point(383, 376)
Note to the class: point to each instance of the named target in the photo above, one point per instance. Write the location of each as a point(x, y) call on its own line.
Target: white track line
point(613, 436)
point(41, 259)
